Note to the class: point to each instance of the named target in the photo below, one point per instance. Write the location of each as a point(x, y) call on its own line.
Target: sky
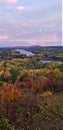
point(30, 22)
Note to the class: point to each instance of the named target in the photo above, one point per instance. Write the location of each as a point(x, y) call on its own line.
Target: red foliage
point(26, 83)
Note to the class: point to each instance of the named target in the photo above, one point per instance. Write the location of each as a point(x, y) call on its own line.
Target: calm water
point(22, 51)
point(48, 61)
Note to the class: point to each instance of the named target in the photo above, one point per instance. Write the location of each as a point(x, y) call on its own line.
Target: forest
point(31, 92)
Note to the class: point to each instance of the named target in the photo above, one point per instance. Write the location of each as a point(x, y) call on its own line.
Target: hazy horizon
point(27, 45)
point(28, 23)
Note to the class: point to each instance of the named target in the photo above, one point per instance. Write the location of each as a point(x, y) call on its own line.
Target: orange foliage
point(9, 92)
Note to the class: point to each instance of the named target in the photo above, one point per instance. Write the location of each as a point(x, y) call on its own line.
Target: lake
point(22, 51)
point(48, 61)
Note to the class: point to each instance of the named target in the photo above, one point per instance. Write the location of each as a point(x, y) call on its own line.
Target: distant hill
point(40, 49)
point(36, 49)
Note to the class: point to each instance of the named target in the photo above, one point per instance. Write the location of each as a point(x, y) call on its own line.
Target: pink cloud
point(20, 8)
point(2, 37)
point(8, 1)
point(11, 1)
point(43, 39)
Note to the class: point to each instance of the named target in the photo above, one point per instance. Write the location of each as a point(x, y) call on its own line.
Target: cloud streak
point(3, 37)
point(11, 1)
point(8, 1)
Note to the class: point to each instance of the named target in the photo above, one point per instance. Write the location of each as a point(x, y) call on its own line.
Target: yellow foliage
point(46, 94)
point(1, 72)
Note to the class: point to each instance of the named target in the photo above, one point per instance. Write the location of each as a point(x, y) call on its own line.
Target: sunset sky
point(30, 22)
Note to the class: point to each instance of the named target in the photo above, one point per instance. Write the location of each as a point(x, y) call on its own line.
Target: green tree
point(14, 74)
